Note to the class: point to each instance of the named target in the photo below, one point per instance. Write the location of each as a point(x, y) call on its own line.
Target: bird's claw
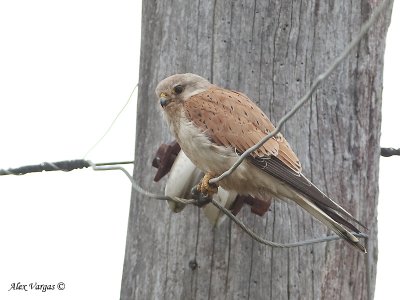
point(204, 191)
point(205, 187)
point(201, 199)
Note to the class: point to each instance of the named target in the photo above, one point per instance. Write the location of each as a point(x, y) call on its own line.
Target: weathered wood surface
point(272, 51)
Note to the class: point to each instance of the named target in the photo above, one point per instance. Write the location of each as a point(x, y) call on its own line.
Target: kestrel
point(214, 126)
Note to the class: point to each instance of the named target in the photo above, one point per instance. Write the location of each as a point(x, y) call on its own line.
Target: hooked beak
point(164, 100)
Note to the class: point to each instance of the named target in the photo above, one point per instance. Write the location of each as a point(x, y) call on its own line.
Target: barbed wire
point(69, 165)
point(300, 103)
point(227, 212)
point(387, 152)
point(62, 166)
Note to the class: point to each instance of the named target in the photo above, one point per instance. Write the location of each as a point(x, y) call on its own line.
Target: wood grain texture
point(272, 51)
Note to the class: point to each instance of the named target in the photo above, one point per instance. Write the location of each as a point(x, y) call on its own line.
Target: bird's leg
point(204, 191)
point(205, 187)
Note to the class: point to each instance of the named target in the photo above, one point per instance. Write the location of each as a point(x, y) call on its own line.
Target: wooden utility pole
point(272, 51)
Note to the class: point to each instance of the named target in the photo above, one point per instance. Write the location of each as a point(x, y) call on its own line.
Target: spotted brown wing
point(232, 120)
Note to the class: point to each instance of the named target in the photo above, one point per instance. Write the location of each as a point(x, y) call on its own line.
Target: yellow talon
point(205, 187)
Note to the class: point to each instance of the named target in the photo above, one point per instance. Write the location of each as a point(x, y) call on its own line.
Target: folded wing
point(231, 119)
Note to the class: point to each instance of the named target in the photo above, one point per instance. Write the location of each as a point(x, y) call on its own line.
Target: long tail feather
point(323, 217)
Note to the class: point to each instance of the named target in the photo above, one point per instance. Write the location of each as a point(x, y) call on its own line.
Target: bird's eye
point(178, 89)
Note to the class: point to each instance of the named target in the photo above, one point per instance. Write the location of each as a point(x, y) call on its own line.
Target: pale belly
point(210, 158)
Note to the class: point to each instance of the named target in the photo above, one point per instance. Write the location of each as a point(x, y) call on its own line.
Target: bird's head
point(177, 88)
